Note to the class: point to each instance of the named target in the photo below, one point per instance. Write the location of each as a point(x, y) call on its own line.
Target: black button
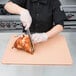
point(37, 14)
point(38, 4)
point(36, 24)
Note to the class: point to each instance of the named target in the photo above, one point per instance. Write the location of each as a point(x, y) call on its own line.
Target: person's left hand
point(39, 37)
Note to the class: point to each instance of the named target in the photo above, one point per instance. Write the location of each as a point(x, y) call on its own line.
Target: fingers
point(36, 38)
point(39, 37)
point(27, 26)
point(24, 24)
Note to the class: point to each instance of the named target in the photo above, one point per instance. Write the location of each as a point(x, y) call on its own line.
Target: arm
point(41, 37)
point(13, 8)
point(55, 30)
point(58, 18)
point(25, 16)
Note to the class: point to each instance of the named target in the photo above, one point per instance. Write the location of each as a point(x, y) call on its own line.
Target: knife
point(29, 34)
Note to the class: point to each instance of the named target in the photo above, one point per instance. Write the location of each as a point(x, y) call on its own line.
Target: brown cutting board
point(55, 51)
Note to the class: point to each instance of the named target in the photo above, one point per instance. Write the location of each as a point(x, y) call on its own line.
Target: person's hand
point(25, 18)
point(39, 37)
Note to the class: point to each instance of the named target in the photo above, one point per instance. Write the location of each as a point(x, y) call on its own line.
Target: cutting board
point(54, 51)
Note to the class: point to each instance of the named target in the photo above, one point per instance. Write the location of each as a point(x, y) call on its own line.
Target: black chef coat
point(43, 13)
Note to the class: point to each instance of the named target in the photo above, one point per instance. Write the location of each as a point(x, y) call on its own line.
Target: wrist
point(48, 34)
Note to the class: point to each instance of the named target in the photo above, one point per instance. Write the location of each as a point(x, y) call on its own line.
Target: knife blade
point(29, 34)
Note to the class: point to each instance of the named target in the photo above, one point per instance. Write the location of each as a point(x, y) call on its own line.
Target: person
point(44, 18)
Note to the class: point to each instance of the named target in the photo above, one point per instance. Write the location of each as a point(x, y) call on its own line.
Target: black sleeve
point(58, 14)
point(19, 2)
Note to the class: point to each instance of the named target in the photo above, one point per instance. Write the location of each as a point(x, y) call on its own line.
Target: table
point(38, 70)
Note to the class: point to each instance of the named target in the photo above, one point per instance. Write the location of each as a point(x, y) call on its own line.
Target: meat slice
point(23, 43)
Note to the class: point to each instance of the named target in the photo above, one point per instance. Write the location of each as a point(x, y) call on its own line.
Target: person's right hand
point(25, 18)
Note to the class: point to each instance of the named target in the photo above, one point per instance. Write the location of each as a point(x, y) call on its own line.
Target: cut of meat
point(23, 43)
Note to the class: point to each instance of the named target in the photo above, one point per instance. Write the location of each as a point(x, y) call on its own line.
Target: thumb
point(24, 24)
point(27, 26)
